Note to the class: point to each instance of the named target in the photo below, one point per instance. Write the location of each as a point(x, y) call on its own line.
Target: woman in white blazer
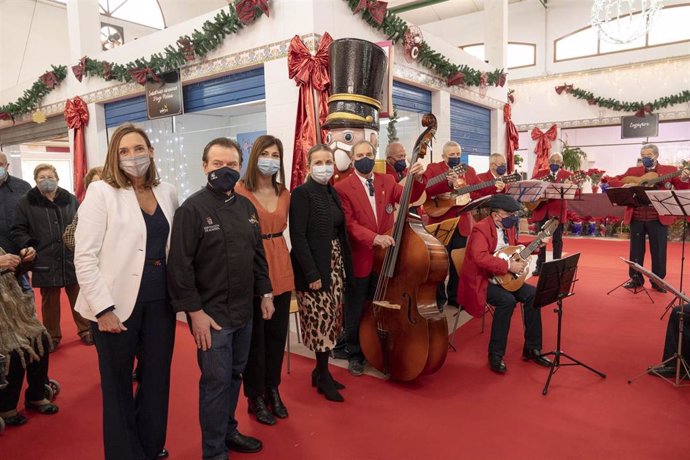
point(122, 241)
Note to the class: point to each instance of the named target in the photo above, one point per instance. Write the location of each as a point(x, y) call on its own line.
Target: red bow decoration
point(501, 80)
point(77, 117)
point(376, 9)
point(483, 80)
point(6, 116)
point(311, 75)
point(644, 110)
point(187, 48)
point(567, 88)
point(107, 71)
point(511, 96)
point(592, 101)
point(142, 74)
point(457, 78)
point(79, 69)
point(512, 137)
point(543, 147)
point(246, 9)
point(49, 79)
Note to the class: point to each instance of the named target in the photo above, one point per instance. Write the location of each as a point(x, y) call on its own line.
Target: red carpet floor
point(463, 411)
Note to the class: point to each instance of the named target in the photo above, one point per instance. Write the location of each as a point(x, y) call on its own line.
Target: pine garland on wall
point(32, 97)
point(640, 108)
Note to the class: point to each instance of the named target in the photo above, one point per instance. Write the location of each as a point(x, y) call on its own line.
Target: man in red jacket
point(497, 168)
point(645, 220)
point(396, 161)
point(451, 158)
point(368, 201)
point(552, 208)
point(476, 290)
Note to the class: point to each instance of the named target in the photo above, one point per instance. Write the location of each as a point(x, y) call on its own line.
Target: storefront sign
point(640, 126)
point(164, 98)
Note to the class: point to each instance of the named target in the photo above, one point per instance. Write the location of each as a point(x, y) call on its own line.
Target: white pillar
point(440, 106)
point(496, 33)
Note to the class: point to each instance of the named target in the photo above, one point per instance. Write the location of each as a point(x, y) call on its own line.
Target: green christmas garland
point(32, 96)
point(640, 108)
point(395, 28)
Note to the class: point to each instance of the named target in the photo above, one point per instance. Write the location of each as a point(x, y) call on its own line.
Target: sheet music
point(670, 202)
point(655, 279)
point(527, 191)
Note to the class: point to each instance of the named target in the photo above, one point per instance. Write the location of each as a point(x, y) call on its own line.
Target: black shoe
point(45, 409)
point(339, 353)
point(534, 354)
point(325, 386)
point(496, 364)
point(257, 406)
point(163, 453)
point(658, 288)
point(15, 420)
point(633, 284)
point(238, 442)
point(273, 400)
point(355, 367)
point(336, 384)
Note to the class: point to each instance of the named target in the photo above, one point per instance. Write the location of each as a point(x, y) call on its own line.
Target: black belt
point(155, 262)
point(270, 236)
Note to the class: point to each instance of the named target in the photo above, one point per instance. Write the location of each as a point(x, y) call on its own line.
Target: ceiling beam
point(414, 5)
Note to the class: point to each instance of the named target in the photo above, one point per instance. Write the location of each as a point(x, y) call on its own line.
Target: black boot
point(324, 381)
point(257, 406)
point(273, 400)
point(338, 385)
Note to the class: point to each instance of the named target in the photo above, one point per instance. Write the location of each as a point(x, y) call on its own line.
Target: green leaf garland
point(640, 107)
point(33, 96)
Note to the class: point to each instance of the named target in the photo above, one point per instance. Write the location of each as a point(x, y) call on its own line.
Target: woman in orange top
point(263, 184)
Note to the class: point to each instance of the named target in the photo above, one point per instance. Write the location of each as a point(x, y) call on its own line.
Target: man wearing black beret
point(476, 290)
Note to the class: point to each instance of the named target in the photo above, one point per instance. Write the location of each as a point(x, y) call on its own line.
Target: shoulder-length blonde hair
point(251, 175)
point(112, 174)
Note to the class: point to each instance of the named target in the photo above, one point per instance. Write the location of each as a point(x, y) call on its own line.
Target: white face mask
point(136, 166)
point(268, 166)
point(322, 173)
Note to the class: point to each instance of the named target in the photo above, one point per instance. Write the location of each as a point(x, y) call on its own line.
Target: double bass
point(402, 333)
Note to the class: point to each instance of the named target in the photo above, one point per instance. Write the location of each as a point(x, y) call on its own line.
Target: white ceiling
point(442, 10)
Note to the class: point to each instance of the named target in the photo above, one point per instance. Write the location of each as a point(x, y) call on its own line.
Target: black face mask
point(223, 179)
point(365, 165)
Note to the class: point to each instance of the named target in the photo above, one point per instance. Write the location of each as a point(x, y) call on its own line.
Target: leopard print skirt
point(321, 312)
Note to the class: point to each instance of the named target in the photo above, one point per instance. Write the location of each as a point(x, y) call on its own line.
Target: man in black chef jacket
point(215, 268)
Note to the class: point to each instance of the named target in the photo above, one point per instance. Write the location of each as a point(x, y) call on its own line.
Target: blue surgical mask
point(400, 165)
point(647, 162)
point(509, 221)
point(554, 167)
point(501, 170)
point(223, 179)
point(364, 165)
point(453, 162)
point(268, 166)
point(322, 173)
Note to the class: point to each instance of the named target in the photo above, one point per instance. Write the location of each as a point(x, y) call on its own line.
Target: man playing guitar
point(551, 208)
point(644, 220)
point(497, 168)
point(489, 236)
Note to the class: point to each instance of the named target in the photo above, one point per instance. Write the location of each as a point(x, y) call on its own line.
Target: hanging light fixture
point(623, 21)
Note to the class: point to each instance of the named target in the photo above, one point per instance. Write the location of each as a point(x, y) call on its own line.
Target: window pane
point(475, 50)
point(583, 43)
point(670, 26)
point(520, 55)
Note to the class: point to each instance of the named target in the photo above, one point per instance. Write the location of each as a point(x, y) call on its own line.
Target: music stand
point(629, 197)
point(443, 231)
point(673, 203)
point(556, 282)
point(527, 191)
point(678, 355)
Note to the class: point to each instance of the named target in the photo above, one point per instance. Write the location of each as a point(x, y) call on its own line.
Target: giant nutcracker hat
point(357, 68)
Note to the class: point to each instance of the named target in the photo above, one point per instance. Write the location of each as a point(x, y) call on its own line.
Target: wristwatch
point(268, 295)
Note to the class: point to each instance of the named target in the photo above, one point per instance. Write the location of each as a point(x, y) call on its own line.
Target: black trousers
point(134, 425)
point(449, 293)
point(504, 303)
point(362, 289)
point(658, 240)
point(36, 377)
point(267, 347)
point(671, 342)
point(556, 242)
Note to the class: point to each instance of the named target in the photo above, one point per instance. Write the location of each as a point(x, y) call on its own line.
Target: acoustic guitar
point(576, 178)
point(514, 281)
point(459, 170)
point(651, 178)
point(438, 206)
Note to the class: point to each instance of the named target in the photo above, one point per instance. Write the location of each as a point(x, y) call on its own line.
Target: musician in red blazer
point(368, 201)
point(552, 208)
point(489, 235)
point(497, 168)
point(396, 161)
point(645, 220)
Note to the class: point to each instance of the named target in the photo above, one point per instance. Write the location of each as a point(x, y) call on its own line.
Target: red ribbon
point(567, 88)
point(142, 74)
point(543, 147)
point(187, 48)
point(376, 9)
point(107, 71)
point(592, 101)
point(644, 110)
point(311, 75)
point(483, 80)
point(457, 78)
point(512, 137)
point(49, 79)
point(246, 9)
point(77, 117)
point(79, 69)
point(6, 116)
point(501, 80)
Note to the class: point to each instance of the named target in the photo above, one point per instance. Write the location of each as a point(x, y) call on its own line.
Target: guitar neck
point(472, 188)
point(524, 254)
point(437, 179)
point(665, 177)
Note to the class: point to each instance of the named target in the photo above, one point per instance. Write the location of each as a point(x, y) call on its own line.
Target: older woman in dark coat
point(39, 222)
